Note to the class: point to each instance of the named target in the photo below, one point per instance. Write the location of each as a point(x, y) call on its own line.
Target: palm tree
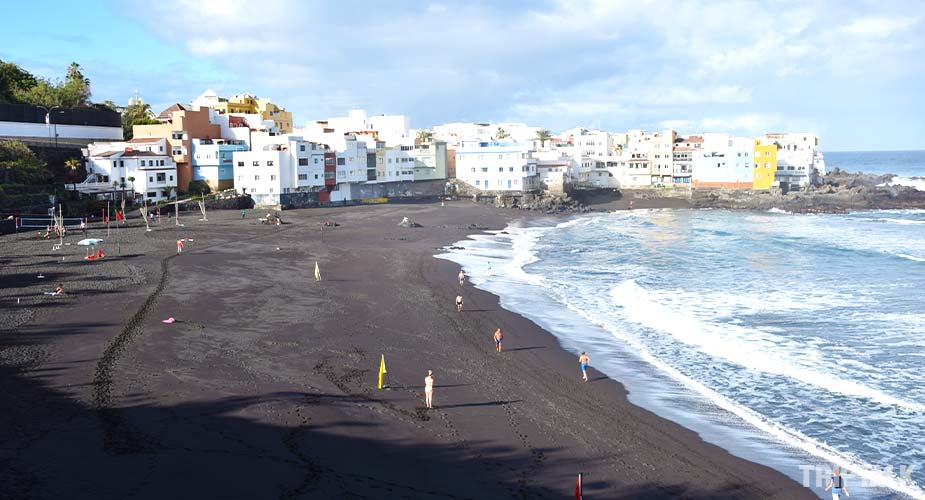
point(131, 180)
point(543, 135)
point(502, 134)
point(424, 136)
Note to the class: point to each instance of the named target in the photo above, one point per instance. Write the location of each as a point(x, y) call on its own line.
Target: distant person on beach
point(459, 303)
point(429, 389)
point(498, 338)
point(59, 290)
point(462, 278)
point(837, 485)
point(584, 360)
point(488, 272)
point(243, 212)
point(179, 247)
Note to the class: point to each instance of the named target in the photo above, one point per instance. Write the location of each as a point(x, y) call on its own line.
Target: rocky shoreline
point(838, 192)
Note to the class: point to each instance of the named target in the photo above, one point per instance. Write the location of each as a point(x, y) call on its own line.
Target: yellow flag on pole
point(317, 272)
point(382, 371)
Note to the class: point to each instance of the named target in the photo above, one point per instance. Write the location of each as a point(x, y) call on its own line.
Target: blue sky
point(852, 71)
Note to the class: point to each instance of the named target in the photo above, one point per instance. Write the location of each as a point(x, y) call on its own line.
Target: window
point(473, 169)
point(767, 153)
point(151, 194)
point(302, 147)
point(500, 169)
point(767, 165)
point(269, 163)
point(510, 169)
point(161, 177)
point(303, 162)
point(303, 177)
point(150, 178)
point(240, 177)
point(240, 163)
point(341, 161)
point(142, 163)
point(272, 177)
point(271, 190)
point(256, 163)
point(484, 169)
point(160, 149)
point(316, 176)
point(171, 177)
point(316, 161)
point(256, 177)
point(121, 163)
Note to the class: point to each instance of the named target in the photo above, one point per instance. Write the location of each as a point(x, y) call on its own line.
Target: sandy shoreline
point(265, 387)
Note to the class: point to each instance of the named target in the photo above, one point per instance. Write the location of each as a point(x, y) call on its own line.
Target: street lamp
point(48, 122)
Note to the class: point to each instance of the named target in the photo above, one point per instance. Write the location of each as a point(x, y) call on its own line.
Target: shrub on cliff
point(25, 166)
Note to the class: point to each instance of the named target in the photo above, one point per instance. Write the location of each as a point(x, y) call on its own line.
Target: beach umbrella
point(89, 243)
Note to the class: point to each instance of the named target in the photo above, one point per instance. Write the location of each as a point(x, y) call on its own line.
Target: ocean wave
point(753, 353)
point(791, 437)
point(914, 182)
point(911, 257)
point(776, 210)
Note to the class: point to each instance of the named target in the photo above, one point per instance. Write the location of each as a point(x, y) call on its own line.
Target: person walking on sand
point(584, 360)
point(429, 390)
point(459, 303)
point(243, 212)
point(498, 338)
point(179, 247)
point(462, 278)
point(837, 485)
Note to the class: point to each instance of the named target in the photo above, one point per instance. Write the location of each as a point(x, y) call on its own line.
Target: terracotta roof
point(167, 114)
point(683, 148)
point(693, 138)
point(146, 139)
point(107, 154)
point(129, 154)
point(237, 121)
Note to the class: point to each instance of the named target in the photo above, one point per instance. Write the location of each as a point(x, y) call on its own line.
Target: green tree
point(13, 80)
point(27, 168)
point(424, 136)
point(543, 135)
point(136, 114)
point(502, 134)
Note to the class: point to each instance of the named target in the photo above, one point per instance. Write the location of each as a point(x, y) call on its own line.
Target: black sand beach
point(265, 387)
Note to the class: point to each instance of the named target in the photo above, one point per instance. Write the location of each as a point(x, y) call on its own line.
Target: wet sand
point(265, 387)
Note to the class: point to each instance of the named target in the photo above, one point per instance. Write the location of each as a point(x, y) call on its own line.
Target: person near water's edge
point(462, 278)
point(837, 485)
point(459, 303)
point(584, 360)
point(429, 389)
point(498, 338)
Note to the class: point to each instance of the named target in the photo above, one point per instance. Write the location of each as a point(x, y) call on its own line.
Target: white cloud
point(878, 27)
point(725, 94)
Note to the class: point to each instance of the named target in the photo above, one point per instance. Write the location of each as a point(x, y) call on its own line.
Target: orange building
point(180, 126)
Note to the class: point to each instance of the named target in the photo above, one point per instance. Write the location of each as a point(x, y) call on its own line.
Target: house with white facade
point(455, 133)
point(723, 161)
point(213, 163)
point(290, 166)
point(796, 158)
point(144, 166)
point(496, 166)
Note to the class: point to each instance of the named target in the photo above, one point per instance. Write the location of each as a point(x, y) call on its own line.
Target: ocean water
point(908, 167)
point(797, 341)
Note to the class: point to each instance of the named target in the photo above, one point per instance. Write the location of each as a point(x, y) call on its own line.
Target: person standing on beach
point(462, 278)
point(837, 485)
point(243, 212)
point(429, 390)
point(179, 247)
point(498, 338)
point(584, 360)
point(459, 303)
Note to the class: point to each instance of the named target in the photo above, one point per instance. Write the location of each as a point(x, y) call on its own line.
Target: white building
point(351, 161)
point(723, 161)
point(276, 170)
point(496, 166)
point(796, 157)
point(142, 165)
point(394, 130)
point(212, 161)
point(455, 133)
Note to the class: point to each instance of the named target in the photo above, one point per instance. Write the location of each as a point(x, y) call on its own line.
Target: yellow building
point(765, 163)
point(248, 104)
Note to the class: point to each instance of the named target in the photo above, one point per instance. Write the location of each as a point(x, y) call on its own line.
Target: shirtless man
point(462, 278)
point(429, 390)
point(459, 303)
point(498, 338)
point(584, 360)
